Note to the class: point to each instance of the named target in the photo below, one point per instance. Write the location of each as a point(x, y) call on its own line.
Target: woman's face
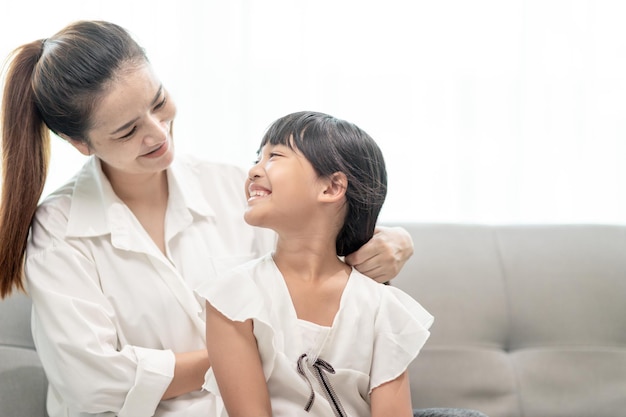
point(131, 124)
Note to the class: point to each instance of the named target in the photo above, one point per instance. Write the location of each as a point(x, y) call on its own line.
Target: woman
point(112, 258)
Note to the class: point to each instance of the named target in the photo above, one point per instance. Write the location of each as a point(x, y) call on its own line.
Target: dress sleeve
point(238, 297)
point(73, 325)
point(401, 330)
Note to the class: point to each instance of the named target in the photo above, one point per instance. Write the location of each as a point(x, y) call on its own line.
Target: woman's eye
point(161, 104)
point(129, 134)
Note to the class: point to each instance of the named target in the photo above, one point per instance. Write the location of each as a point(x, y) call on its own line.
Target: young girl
point(299, 330)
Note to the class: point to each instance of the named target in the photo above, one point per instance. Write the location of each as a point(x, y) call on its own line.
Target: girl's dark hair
point(333, 145)
point(50, 84)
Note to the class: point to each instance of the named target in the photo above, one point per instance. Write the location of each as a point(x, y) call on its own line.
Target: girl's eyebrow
point(129, 124)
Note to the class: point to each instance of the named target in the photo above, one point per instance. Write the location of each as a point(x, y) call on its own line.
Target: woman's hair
point(333, 145)
point(50, 84)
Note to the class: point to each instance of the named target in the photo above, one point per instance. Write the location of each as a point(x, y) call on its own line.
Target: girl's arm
point(392, 398)
point(236, 363)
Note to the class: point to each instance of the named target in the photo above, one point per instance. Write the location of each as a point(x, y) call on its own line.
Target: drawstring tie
point(319, 366)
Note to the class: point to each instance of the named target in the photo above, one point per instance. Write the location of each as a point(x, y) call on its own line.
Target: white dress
point(376, 333)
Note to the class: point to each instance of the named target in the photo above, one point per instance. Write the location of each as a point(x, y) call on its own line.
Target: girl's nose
point(254, 172)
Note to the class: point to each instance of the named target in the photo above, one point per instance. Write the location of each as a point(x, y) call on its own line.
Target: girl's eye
point(270, 155)
point(129, 134)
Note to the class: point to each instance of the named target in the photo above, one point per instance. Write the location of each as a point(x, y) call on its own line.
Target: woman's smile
point(158, 151)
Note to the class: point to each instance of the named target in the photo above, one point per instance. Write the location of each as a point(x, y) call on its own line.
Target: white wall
point(487, 111)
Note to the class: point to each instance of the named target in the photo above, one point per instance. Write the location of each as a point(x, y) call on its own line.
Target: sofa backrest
point(23, 383)
point(530, 321)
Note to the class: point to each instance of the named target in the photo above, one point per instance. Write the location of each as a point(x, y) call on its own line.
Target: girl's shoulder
point(387, 299)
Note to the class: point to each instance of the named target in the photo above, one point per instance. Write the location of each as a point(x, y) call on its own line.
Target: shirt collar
point(95, 207)
point(184, 184)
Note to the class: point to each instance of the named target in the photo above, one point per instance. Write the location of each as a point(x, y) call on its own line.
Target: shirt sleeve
point(401, 329)
point(73, 325)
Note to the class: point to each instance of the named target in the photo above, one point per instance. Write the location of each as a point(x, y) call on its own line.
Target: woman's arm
point(74, 328)
point(384, 255)
point(392, 398)
point(189, 373)
point(236, 363)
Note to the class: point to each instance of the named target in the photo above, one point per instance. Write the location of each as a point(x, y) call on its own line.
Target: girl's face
point(281, 189)
point(131, 131)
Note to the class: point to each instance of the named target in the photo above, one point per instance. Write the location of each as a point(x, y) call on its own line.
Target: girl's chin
point(250, 218)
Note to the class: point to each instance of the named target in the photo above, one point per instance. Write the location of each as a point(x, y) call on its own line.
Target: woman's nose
point(159, 130)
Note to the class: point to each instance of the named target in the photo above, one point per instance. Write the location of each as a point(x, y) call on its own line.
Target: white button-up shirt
point(109, 308)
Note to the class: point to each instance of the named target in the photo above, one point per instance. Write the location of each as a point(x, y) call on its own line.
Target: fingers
point(376, 272)
point(384, 255)
point(376, 246)
point(381, 267)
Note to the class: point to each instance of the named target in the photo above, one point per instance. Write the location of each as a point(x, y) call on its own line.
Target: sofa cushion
point(23, 384)
point(529, 320)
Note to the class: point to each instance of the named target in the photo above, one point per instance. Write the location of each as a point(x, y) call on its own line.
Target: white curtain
point(488, 111)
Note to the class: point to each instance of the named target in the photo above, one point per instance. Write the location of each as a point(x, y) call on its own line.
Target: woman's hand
point(188, 373)
point(384, 255)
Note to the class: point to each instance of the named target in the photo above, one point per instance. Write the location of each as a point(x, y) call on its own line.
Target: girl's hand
point(384, 255)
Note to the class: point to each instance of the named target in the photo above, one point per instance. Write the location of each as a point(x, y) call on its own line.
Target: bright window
point(487, 111)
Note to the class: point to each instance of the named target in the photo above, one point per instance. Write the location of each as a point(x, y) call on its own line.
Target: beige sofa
point(530, 321)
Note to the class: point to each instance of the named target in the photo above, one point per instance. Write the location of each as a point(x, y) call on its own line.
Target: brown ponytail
point(25, 156)
point(51, 85)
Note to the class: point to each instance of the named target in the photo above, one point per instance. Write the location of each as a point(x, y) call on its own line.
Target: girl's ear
point(81, 145)
point(335, 187)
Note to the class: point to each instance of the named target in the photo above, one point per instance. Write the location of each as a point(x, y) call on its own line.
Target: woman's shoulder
point(81, 186)
point(208, 177)
point(50, 222)
point(54, 209)
point(205, 166)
